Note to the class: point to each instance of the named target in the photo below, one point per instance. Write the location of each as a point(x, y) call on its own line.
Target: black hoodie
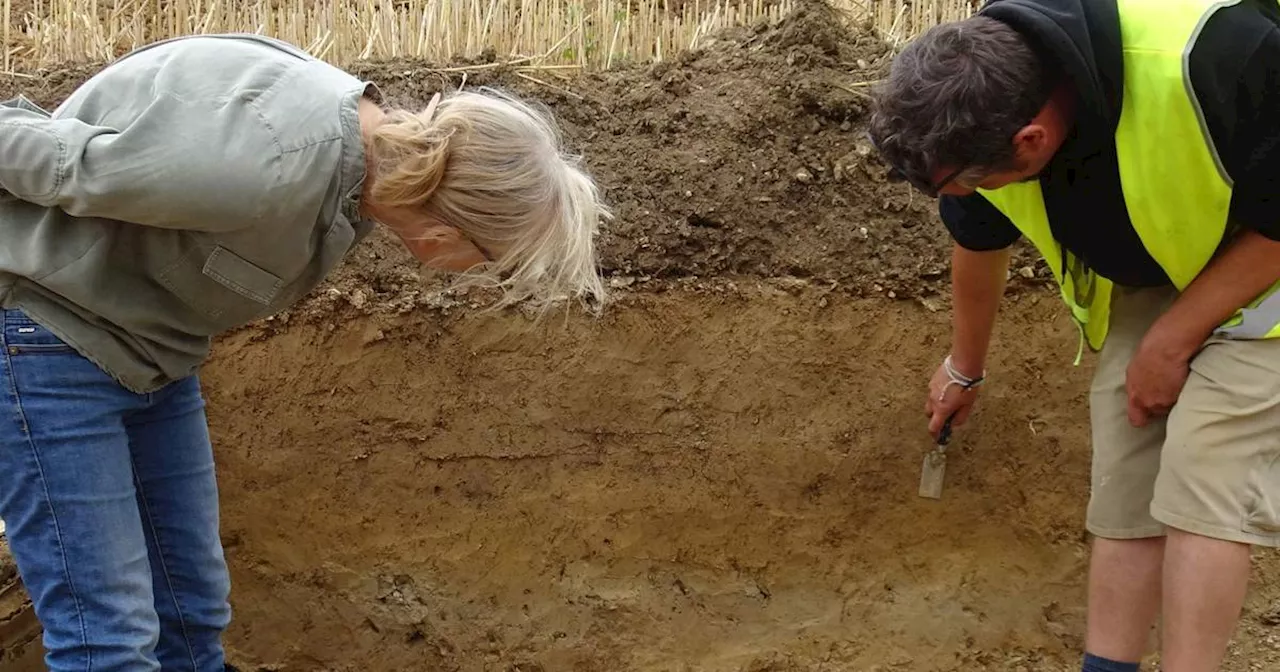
point(1235, 73)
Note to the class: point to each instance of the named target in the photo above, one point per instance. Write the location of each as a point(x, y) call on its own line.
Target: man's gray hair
point(956, 96)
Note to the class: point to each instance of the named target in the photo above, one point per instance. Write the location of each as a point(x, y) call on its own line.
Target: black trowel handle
point(944, 436)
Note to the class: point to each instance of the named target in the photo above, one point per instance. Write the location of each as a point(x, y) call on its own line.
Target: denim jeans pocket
point(24, 336)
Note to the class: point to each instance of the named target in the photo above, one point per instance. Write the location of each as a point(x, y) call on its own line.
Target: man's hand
point(1249, 265)
point(1156, 375)
point(947, 399)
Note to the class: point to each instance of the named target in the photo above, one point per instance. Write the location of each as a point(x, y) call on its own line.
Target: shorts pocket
point(1262, 516)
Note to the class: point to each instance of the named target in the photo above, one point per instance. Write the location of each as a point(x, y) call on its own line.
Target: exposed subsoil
point(717, 474)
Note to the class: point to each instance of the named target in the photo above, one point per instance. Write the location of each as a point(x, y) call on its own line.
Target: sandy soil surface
point(719, 474)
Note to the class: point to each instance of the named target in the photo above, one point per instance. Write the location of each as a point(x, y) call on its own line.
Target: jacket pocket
point(221, 286)
point(243, 277)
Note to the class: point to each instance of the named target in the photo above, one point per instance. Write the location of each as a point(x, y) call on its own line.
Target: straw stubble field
point(718, 474)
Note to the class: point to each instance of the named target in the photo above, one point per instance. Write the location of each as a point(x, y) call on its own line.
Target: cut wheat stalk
point(587, 33)
point(549, 85)
point(584, 34)
point(8, 23)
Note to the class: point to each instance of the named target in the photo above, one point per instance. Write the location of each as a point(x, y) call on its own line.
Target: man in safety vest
point(1136, 144)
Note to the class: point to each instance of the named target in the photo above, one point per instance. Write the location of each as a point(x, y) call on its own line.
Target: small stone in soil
point(1271, 617)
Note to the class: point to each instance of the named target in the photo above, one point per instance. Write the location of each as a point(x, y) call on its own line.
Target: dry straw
point(898, 21)
point(7, 59)
point(537, 33)
point(576, 33)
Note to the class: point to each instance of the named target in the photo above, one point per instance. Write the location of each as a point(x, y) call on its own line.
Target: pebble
point(358, 299)
point(803, 176)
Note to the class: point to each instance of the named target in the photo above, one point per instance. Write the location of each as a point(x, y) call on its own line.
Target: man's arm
point(979, 266)
point(1245, 269)
point(979, 271)
point(1244, 119)
point(1243, 116)
point(1159, 369)
point(977, 284)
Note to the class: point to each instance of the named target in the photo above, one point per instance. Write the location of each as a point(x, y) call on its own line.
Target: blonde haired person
point(480, 177)
point(192, 186)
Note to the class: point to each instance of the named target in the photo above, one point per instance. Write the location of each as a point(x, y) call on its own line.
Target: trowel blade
point(934, 470)
point(932, 473)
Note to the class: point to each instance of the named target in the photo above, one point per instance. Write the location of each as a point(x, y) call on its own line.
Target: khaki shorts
point(1212, 467)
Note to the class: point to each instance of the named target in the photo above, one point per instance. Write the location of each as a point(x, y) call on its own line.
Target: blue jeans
point(111, 506)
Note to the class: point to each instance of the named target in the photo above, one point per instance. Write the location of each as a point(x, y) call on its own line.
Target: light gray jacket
point(192, 186)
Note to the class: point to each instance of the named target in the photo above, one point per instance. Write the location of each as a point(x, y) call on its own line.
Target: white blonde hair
point(494, 168)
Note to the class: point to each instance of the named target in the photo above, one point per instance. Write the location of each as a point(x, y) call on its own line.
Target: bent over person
point(190, 187)
point(1136, 145)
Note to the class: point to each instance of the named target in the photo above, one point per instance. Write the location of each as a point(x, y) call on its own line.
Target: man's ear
point(1030, 140)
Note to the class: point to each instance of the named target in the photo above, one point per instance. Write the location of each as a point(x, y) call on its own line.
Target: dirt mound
point(744, 158)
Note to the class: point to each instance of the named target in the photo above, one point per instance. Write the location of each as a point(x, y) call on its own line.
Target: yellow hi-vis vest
point(1176, 190)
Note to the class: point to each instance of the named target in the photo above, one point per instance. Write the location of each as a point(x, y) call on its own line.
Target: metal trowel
point(935, 464)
